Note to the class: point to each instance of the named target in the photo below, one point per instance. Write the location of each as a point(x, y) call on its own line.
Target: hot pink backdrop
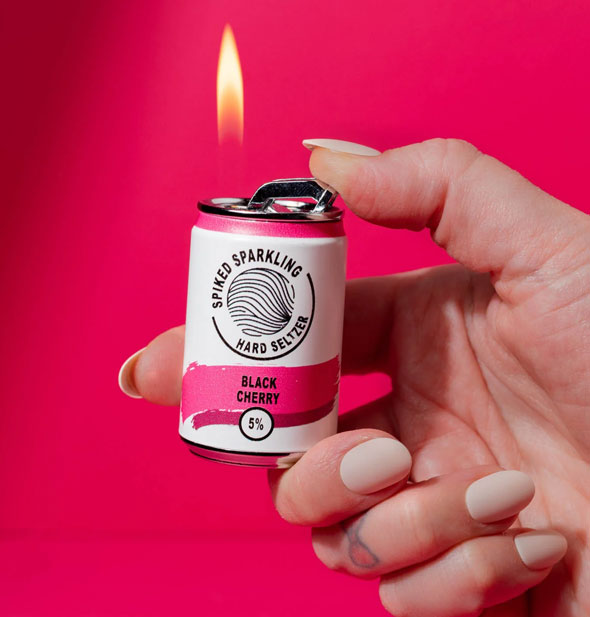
point(109, 140)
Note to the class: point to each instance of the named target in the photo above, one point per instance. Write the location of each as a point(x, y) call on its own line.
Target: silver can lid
point(291, 199)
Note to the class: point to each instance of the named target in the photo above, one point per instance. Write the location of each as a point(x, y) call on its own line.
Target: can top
point(291, 199)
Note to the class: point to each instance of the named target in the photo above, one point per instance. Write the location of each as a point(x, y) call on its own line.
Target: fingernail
point(126, 382)
point(337, 145)
point(499, 495)
point(375, 464)
point(540, 549)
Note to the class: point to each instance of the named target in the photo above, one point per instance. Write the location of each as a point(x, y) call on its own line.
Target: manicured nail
point(337, 145)
point(540, 549)
point(499, 495)
point(375, 464)
point(126, 382)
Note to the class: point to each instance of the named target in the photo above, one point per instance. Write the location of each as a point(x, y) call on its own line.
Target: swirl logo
point(262, 311)
point(261, 301)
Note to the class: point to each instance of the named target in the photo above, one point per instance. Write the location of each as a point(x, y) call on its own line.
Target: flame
point(230, 90)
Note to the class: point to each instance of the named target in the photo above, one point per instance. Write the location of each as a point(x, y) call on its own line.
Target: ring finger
point(424, 520)
point(475, 575)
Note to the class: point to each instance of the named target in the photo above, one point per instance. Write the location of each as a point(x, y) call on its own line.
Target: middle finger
point(340, 476)
point(424, 520)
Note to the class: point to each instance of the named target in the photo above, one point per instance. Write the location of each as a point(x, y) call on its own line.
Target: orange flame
point(230, 90)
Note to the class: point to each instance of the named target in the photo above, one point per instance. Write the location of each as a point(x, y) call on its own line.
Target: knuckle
point(460, 145)
point(459, 157)
point(421, 528)
point(482, 573)
point(451, 154)
point(437, 148)
point(457, 147)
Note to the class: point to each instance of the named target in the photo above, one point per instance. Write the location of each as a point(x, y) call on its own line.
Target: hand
point(490, 365)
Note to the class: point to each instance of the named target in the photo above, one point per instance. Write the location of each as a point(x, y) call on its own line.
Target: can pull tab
point(284, 195)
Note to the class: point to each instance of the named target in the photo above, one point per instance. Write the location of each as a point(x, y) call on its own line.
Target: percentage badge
point(256, 423)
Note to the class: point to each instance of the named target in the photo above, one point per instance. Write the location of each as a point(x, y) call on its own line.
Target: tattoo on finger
point(358, 551)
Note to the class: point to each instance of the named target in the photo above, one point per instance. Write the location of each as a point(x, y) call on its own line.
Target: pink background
point(109, 139)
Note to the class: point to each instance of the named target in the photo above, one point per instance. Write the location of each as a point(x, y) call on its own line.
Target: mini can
point(263, 340)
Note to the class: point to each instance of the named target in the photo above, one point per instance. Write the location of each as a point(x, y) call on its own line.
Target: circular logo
point(256, 423)
point(263, 303)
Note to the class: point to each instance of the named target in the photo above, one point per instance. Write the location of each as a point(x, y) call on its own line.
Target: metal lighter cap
point(281, 200)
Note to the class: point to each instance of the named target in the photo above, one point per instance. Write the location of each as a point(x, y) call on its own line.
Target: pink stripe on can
point(268, 227)
point(294, 396)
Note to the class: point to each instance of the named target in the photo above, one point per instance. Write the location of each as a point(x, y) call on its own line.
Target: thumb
point(487, 216)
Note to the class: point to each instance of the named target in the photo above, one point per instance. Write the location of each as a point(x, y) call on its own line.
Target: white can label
point(263, 340)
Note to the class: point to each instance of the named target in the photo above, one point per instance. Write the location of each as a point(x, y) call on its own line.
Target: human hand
point(490, 367)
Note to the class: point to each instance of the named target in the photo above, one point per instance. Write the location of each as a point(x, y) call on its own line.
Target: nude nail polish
point(499, 495)
point(337, 145)
point(374, 465)
point(540, 549)
point(126, 382)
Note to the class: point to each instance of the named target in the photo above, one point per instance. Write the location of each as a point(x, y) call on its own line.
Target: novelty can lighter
point(264, 320)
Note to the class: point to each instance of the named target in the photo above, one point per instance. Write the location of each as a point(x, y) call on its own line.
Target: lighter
point(264, 321)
